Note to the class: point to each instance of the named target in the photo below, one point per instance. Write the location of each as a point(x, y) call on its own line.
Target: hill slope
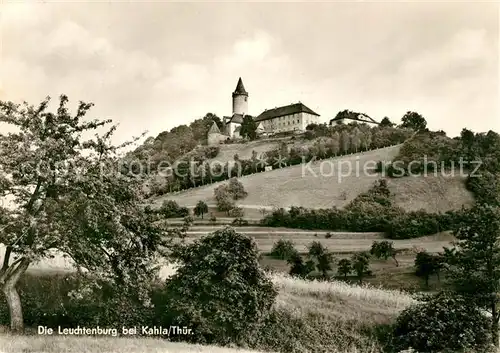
point(336, 182)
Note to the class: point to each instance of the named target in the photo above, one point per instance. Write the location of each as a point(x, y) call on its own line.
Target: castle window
point(246, 99)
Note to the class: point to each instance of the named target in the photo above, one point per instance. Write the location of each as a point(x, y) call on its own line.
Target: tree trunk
point(397, 263)
point(494, 323)
point(12, 296)
point(15, 308)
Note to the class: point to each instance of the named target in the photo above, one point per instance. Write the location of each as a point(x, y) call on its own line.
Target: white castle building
point(293, 117)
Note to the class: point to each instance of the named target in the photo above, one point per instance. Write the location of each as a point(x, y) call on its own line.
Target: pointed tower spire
point(240, 89)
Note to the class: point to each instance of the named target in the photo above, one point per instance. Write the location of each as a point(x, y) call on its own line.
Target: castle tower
point(240, 99)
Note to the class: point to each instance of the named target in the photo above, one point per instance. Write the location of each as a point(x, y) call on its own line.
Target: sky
point(151, 66)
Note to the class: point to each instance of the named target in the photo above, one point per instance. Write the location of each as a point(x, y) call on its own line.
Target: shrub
point(236, 189)
point(236, 212)
point(224, 199)
point(171, 209)
point(219, 291)
point(443, 323)
point(240, 222)
point(283, 249)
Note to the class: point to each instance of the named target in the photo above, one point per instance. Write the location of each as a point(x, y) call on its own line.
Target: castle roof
point(285, 110)
point(236, 118)
point(214, 129)
point(240, 89)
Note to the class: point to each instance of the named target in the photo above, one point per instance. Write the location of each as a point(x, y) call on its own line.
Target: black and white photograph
point(249, 177)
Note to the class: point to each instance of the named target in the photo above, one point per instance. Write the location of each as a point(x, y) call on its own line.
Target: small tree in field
point(200, 209)
point(283, 249)
point(66, 196)
point(426, 265)
point(361, 265)
point(299, 267)
point(383, 250)
point(322, 257)
point(344, 267)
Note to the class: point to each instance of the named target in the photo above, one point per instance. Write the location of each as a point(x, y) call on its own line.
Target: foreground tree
point(68, 196)
point(442, 323)
point(474, 262)
point(219, 290)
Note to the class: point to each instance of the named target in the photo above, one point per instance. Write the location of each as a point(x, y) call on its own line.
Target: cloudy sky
point(152, 66)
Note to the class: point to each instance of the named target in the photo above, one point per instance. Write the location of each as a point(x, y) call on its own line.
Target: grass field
point(337, 308)
point(335, 182)
point(340, 242)
point(244, 150)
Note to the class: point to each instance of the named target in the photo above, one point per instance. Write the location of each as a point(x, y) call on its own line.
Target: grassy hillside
point(244, 150)
point(300, 186)
point(432, 193)
point(321, 317)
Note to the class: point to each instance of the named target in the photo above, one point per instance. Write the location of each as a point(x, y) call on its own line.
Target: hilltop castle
point(293, 117)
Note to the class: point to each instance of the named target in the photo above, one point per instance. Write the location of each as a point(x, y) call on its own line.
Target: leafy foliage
point(321, 256)
point(384, 250)
point(224, 199)
point(445, 323)
point(171, 209)
point(427, 264)
point(344, 267)
point(248, 128)
point(372, 211)
point(70, 195)
point(219, 290)
point(283, 249)
point(201, 208)
point(386, 122)
point(361, 265)
point(474, 261)
point(413, 121)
